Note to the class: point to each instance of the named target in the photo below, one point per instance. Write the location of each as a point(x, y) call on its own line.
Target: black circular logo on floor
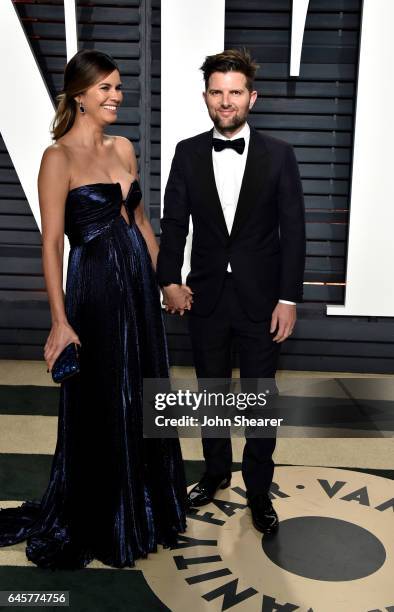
point(334, 551)
point(325, 548)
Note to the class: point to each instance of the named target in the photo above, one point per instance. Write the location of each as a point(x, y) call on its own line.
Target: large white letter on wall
point(298, 17)
point(25, 116)
point(70, 24)
point(369, 278)
point(190, 30)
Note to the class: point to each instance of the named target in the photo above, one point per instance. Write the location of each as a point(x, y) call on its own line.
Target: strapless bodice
point(92, 208)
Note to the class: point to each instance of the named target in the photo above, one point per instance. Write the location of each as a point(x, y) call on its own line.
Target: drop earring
point(81, 108)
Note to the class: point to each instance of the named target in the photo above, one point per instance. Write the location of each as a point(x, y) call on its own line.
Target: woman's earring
point(81, 108)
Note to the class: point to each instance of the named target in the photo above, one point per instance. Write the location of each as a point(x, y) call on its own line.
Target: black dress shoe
point(264, 517)
point(203, 493)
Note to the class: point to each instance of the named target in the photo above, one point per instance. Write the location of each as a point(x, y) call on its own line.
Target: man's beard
point(237, 121)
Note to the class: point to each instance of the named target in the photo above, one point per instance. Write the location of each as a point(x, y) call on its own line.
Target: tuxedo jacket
point(266, 246)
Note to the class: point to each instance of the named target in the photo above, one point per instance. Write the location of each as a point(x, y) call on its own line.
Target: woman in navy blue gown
point(112, 494)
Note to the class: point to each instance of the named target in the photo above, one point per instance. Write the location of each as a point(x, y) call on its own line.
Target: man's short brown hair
point(237, 60)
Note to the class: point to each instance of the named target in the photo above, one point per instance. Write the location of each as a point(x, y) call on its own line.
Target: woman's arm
point(146, 230)
point(53, 185)
point(127, 153)
point(179, 296)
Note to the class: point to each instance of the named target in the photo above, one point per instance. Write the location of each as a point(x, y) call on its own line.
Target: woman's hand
point(177, 298)
point(60, 336)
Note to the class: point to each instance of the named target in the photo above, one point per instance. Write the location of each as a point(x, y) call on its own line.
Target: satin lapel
point(255, 176)
point(206, 176)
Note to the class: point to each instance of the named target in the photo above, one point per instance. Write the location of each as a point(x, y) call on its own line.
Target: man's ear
point(253, 98)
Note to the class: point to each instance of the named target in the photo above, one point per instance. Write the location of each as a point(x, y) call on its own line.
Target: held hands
point(177, 298)
point(282, 321)
point(60, 336)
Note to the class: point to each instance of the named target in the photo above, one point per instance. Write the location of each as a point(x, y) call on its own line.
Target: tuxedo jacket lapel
point(256, 169)
point(208, 184)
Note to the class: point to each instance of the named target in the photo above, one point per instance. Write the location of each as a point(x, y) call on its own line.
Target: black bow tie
point(238, 144)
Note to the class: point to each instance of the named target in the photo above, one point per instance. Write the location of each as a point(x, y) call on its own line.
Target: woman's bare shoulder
point(126, 149)
point(121, 141)
point(55, 163)
point(56, 153)
point(123, 144)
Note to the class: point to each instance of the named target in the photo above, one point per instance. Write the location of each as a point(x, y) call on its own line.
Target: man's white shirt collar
point(243, 133)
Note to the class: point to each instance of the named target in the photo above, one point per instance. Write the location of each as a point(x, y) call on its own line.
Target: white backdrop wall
point(369, 275)
point(189, 32)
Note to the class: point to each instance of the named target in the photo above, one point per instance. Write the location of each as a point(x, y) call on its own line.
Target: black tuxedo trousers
point(213, 338)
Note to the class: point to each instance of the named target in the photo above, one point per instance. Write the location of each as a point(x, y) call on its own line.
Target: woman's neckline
point(101, 183)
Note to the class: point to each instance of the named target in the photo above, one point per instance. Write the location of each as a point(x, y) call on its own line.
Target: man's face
point(228, 101)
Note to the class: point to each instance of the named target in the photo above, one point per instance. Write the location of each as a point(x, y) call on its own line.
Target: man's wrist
point(287, 302)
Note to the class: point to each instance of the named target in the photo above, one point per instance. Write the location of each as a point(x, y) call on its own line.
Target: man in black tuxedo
point(243, 191)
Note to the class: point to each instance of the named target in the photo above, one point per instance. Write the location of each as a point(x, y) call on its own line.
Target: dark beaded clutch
point(67, 363)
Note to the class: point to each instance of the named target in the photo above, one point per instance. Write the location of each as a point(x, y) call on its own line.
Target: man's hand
point(283, 320)
point(177, 298)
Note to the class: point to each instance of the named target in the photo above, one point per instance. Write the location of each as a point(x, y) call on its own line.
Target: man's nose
point(226, 100)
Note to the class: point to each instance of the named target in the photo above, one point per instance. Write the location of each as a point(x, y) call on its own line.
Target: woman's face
point(101, 101)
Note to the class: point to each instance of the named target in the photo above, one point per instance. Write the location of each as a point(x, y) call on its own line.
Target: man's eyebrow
point(232, 89)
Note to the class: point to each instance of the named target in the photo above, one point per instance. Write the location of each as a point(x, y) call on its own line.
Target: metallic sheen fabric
point(112, 495)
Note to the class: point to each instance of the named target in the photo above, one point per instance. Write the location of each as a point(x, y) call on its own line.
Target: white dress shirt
point(229, 167)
